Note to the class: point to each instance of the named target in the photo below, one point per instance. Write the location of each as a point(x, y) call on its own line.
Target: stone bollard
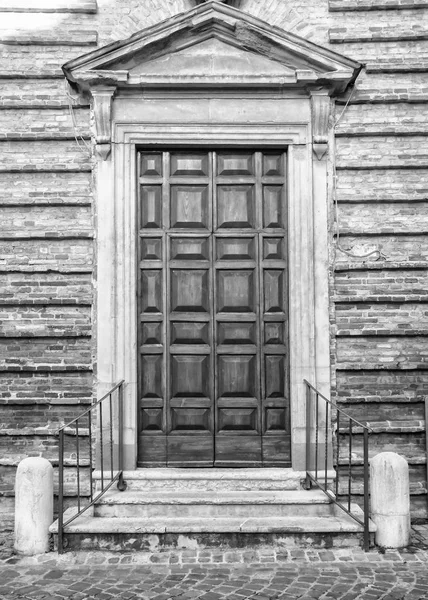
point(390, 499)
point(33, 506)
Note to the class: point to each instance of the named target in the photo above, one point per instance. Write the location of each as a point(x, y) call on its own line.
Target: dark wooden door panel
point(213, 309)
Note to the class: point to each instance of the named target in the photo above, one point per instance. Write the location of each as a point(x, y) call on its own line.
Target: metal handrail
point(313, 442)
point(115, 465)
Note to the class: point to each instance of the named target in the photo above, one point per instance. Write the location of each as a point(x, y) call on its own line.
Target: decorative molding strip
point(49, 6)
point(385, 33)
point(36, 105)
point(364, 5)
point(349, 133)
point(29, 75)
point(236, 134)
point(48, 38)
point(235, 3)
point(398, 67)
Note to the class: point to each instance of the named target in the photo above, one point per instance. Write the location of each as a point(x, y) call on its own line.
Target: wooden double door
point(213, 341)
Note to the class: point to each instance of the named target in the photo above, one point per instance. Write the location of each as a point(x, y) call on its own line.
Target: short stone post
point(33, 505)
point(390, 499)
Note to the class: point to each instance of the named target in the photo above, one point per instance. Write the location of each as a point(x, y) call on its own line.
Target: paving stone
point(306, 574)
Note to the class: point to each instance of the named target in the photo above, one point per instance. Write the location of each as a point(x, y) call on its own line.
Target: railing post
point(308, 435)
point(326, 446)
point(61, 493)
point(322, 483)
point(118, 476)
point(337, 451)
point(121, 484)
point(366, 491)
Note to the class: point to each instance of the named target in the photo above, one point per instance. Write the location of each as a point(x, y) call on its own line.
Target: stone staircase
point(233, 508)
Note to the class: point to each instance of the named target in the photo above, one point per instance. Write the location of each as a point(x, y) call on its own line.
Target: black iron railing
point(320, 453)
point(102, 422)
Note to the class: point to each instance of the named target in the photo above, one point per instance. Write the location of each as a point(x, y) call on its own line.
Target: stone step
point(224, 504)
point(217, 479)
point(121, 534)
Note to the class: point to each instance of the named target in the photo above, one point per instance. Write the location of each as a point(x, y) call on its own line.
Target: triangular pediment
point(211, 58)
point(213, 45)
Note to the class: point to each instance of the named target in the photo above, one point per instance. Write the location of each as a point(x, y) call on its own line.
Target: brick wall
point(379, 325)
point(379, 308)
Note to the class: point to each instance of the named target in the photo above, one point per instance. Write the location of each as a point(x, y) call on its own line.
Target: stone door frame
point(116, 284)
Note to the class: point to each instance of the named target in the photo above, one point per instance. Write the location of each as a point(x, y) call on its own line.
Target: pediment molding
point(308, 65)
point(213, 46)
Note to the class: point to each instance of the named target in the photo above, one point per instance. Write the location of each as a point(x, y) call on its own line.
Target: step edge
point(224, 525)
point(262, 474)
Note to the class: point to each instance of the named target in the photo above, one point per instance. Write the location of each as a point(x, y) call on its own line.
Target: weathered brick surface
point(44, 156)
point(45, 188)
point(36, 60)
point(397, 28)
point(49, 123)
point(42, 418)
point(402, 352)
point(21, 93)
point(366, 119)
point(49, 37)
point(417, 480)
point(389, 87)
point(381, 285)
point(46, 221)
point(388, 151)
point(48, 5)
point(389, 56)
point(39, 444)
point(46, 254)
point(411, 446)
point(45, 321)
point(382, 185)
point(382, 319)
point(401, 249)
point(29, 389)
point(7, 484)
point(50, 288)
point(364, 5)
point(41, 354)
point(388, 218)
point(388, 415)
point(382, 387)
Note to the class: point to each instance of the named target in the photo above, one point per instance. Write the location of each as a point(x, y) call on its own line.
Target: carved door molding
point(118, 267)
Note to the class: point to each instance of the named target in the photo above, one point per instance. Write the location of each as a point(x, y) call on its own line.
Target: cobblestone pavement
point(342, 574)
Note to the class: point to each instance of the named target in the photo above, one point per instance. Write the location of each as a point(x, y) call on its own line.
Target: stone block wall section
point(379, 328)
